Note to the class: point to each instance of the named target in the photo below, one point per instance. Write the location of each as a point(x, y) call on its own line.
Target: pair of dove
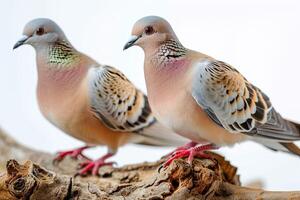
point(190, 94)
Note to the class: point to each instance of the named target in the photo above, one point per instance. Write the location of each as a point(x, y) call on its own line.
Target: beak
point(131, 41)
point(21, 42)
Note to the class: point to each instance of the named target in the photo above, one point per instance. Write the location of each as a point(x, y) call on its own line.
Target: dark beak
point(20, 42)
point(131, 41)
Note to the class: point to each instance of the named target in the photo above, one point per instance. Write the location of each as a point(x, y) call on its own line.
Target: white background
point(260, 38)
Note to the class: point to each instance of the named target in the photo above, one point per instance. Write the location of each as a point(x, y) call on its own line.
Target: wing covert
point(235, 104)
point(117, 102)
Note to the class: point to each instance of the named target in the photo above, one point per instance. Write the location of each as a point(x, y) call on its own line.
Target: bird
point(92, 102)
point(204, 99)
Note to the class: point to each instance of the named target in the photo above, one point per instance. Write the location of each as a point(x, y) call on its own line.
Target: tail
point(159, 135)
point(292, 148)
point(285, 146)
point(297, 125)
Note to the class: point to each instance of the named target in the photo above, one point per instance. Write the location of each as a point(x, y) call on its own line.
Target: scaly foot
point(76, 153)
point(184, 147)
point(93, 166)
point(195, 151)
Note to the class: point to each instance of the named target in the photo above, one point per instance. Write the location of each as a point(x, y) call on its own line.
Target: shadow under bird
point(204, 99)
point(94, 103)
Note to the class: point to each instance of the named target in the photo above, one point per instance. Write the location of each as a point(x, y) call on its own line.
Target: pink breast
point(165, 82)
point(175, 66)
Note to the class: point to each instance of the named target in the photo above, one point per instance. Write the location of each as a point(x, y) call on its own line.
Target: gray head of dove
point(40, 32)
point(150, 31)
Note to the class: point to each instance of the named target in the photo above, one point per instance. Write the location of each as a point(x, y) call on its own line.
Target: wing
point(237, 105)
point(116, 101)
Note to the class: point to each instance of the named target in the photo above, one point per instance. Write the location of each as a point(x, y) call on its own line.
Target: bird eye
point(40, 31)
point(149, 30)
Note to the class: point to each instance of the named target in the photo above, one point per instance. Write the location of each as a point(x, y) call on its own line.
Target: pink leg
point(191, 153)
point(184, 147)
point(93, 166)
point(75, 153)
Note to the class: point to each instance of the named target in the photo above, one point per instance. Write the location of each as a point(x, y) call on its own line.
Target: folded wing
point(237, 105)
point(122, 107)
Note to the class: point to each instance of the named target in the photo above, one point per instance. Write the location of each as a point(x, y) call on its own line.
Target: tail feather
point(287, 147)
point(292, 148)
point(158, 135)
point(296, 124)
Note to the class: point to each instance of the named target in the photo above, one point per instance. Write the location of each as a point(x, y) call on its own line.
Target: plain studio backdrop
point(260, 38)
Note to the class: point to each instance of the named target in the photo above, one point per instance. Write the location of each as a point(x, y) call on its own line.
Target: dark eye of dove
point(149, 30)
point(40, 31)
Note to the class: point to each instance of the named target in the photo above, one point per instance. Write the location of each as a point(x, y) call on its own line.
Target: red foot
point(93, 166)
point(184, 147)
point(76, 153)
point(191, 152)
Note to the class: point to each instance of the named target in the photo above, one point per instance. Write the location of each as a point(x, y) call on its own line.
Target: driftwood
point(38, 178)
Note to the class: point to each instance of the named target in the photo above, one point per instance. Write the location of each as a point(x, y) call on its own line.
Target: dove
point(204, 99)
point(94, 103)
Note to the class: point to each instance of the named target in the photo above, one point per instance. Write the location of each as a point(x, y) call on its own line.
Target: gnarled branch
point(38, 178)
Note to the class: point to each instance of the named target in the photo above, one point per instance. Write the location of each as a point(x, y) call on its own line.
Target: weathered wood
point(38, 179)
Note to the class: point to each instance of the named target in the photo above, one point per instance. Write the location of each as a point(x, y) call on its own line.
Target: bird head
point(150, 32)
point(40, 32)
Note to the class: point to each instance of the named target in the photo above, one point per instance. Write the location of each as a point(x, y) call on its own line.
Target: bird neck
point(61, 54)
point(59, 65)
point(168, 60)
point(169, 51)
point(164, 69)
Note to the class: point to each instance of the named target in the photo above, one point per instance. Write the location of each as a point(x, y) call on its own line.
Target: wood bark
point(30, 174)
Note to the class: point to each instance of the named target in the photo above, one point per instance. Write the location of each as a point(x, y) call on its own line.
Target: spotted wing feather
point(117, 102)
point(237, 105)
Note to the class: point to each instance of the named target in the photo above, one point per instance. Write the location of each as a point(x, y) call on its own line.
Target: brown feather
point(292, 148)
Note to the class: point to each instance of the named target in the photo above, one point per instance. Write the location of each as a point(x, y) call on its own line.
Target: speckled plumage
point(62, 53)
point(170, 50)
point(237, 105)
point(92, 102)
point(116, 101)
point(205, 99)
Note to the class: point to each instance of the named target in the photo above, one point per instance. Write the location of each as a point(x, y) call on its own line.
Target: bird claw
point(75, 154)
point(80, 155)
point(184, 147)
point(93, 167)
point(196, 151)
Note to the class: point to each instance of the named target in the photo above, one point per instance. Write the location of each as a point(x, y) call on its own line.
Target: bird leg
point(186, 146)
point(93, 166)
point(195, 151)
point(75, 153)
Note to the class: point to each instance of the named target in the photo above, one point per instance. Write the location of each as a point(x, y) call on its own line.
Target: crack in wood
point(69, 195)
point(201, 180)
